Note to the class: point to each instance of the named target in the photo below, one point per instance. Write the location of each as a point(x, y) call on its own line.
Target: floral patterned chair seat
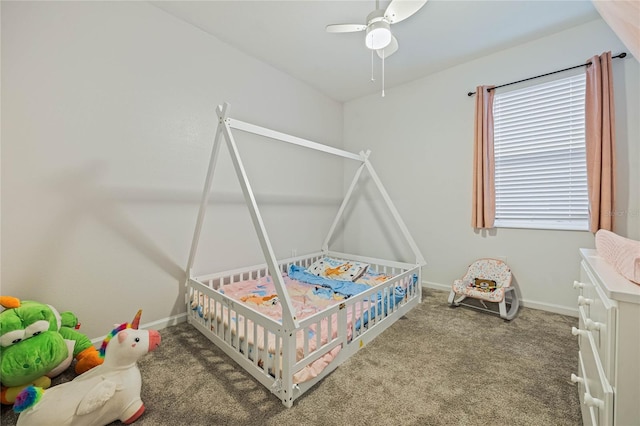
point(488, 280)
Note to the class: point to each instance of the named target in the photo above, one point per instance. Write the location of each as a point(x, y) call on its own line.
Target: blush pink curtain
point(483, 198)
point(600, 140)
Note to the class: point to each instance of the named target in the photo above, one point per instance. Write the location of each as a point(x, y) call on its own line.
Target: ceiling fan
point(378, 27)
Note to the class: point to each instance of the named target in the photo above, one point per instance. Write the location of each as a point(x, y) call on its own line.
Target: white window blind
point(540, 156)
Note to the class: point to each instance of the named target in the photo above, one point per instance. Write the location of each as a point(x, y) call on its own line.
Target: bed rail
point(256, 271)
point(289, 362)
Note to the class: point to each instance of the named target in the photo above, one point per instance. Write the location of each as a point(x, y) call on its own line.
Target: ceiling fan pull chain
point(372, 79)
point(383, 73)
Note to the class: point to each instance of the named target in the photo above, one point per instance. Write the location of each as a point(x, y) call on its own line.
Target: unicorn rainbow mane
point(105, 342)
point(134, 324)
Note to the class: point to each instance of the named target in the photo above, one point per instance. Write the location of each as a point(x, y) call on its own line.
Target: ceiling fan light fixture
point(378, 35)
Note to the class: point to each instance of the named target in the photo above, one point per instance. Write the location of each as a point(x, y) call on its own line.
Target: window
point(540, 156)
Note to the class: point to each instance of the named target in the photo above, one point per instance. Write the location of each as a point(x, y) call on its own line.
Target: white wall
point(421, 135)
point(108, 120)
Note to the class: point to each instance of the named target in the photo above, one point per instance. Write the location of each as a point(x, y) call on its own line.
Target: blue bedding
point(398, 295)
point(344, 288)
point(327, 288)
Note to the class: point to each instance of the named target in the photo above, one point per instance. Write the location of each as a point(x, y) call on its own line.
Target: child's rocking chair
point(487, 280)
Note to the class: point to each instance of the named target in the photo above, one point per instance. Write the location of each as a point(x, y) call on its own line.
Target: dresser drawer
point(585, 287)
point(598, 393)
point(589, 414)
point(598, 316)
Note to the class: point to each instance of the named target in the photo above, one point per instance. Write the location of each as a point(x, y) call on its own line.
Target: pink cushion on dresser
point(622, 253)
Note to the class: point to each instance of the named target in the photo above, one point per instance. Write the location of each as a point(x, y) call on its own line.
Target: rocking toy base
point(507, 309)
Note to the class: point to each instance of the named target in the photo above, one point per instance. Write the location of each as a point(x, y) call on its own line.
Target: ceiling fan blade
point(345, 28)
point(399, 10)
point(389, 50)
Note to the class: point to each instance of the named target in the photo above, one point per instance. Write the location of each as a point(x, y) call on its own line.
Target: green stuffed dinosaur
point(38, 343)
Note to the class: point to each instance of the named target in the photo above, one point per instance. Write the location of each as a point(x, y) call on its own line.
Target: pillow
point(337, 269)
point(621, 253)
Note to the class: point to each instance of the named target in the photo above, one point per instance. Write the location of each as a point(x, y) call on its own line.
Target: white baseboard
point(436, 286)
point(154, 325)
point(542, 306)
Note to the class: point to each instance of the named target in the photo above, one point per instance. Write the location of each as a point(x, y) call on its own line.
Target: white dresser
point(608, 373)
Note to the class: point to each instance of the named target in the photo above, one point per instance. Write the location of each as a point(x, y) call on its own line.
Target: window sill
point(542, 226)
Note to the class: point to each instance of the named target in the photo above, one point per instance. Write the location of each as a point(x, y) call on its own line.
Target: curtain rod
point(621, 55)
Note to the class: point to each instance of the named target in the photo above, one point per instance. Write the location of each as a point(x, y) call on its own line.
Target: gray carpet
point(437, 366)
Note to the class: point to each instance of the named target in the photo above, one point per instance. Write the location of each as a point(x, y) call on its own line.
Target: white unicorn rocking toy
point(108, 392)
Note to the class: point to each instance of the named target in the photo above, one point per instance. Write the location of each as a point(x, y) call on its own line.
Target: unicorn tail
point(27, 398)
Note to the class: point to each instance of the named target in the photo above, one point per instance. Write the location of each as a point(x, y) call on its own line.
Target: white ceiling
point(291, 36)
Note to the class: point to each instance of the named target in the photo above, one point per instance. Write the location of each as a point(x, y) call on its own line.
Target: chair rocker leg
point(503, 308)
point(452, 295)
point(513, 309)
point(452, 299)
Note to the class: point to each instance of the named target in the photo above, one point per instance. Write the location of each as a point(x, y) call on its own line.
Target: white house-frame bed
point(276, 352)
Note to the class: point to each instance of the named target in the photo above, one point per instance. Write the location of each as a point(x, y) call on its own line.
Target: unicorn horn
point(136, 320)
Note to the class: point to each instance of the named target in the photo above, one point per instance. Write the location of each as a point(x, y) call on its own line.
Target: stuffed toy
point(38, 343)
point(109, 392)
